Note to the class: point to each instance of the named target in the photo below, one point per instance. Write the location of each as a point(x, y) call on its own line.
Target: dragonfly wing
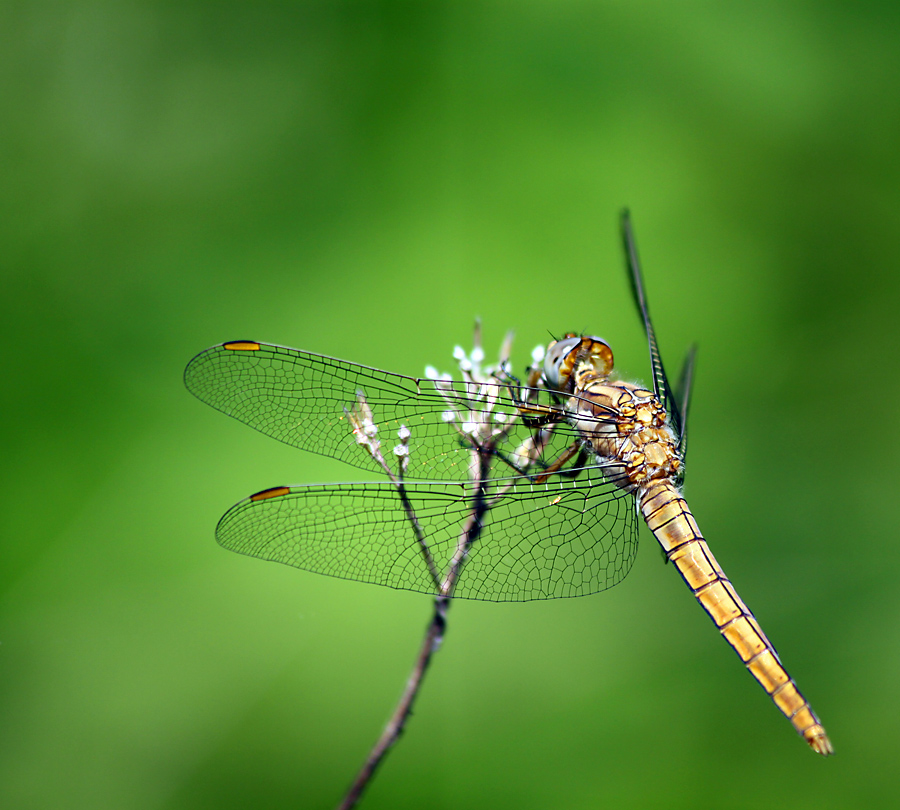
point(683, 392)
point(302, 399)
point(661, 386)
point(557, 540)
point(537, 541)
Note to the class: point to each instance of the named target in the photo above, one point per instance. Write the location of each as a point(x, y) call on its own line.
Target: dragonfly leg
point(576, 448)
point(533, 414)
point(529, 451)
point(537, 416)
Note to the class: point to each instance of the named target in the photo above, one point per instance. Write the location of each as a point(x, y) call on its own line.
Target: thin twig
point(483, 449)
point(434, 634)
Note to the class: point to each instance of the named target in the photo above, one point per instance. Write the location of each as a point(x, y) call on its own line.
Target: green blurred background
point(362, 180)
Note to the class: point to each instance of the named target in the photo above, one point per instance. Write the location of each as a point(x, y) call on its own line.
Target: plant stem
point(434, 635)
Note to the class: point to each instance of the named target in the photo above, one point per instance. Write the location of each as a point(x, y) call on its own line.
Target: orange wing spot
point(273, 492)
point(241, 346)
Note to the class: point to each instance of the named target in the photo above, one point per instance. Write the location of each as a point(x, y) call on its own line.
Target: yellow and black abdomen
point(669, 518)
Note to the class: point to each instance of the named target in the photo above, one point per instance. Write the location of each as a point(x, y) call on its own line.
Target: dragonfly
point(490, 487)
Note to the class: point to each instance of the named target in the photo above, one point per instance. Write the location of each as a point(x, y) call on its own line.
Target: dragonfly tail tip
point(818, 741)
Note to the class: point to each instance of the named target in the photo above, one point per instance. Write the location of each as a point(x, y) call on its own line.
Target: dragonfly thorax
point(626, 428)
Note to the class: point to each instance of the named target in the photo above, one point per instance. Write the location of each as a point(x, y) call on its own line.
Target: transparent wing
point(661, 386)
point(302, 399)
point(538, 541)
point(685, 384)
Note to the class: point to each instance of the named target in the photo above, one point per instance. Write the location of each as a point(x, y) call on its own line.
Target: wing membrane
point(683, 392)
point(538, 541)
point(661, 386)
point(301, 398)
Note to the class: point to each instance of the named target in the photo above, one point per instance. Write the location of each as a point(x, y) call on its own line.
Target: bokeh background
point(362, 179)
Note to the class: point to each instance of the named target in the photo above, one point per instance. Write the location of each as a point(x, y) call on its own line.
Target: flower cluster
point(483, 402)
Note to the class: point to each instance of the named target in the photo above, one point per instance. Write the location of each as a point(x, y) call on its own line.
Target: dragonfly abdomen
point(669, 518)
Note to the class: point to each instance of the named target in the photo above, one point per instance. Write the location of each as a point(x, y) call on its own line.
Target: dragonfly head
point(572, 352)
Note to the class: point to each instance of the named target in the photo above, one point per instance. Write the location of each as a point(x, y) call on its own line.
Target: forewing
point(685, 384)
point(661, 386)
point(302, 399)
point(538, 541)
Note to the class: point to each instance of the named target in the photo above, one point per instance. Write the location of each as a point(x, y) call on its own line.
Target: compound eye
point(556, 369)
point(564, 355)
point(599, 355)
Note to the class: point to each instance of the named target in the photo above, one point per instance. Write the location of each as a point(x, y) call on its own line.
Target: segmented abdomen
point(669, 518)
